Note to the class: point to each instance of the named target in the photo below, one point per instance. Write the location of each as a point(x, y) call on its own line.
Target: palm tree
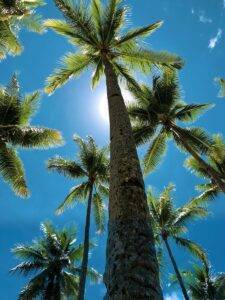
point(97, 31)
point(216, 159)
point(92, 165)
point(203, 284)
point(155, 117)
point(14, 15)
point(221, 83)
point(55, 259)
point(16, 131)
point(170, 223)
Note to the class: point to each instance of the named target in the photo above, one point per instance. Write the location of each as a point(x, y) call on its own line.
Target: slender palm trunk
point(84, 265)
point(215, 176)
point(131, 265)
point(179, 277)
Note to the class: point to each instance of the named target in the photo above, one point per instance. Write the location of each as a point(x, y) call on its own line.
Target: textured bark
point(215, 176)
point(179, 277)
point(84, 265)
point(131, 265)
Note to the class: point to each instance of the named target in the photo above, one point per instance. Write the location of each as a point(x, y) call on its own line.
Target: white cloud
point(203, 18)
point(173, 296)
point(213, 41)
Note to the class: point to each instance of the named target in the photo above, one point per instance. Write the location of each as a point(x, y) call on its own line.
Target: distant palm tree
point(55, 258)
point(216, 159)
point(221, 83)
point(203, 284)
point(98, 31)
point(92, 165)
point(14, 15)
point(16, 132)
point(156, 116)
point(170, 222)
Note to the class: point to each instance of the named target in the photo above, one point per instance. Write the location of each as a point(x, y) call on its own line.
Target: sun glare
point(103, 104)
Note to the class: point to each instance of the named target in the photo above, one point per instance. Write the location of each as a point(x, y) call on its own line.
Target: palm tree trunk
point(179, 277)
point(84, 265)
point(131, 265)
point(215, 176)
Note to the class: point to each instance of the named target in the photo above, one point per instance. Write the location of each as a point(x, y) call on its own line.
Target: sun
point(103, 104)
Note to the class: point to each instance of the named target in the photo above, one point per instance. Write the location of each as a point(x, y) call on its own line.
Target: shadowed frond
point(11, 169)
point(155, 152)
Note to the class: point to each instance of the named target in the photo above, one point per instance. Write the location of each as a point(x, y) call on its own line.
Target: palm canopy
point(92, 166)
point(170, 222)
point(216, 159)
point(221, 82)
point(16, 132)
point(155, 115)
point(14, 15)
point(55, 260)
point(97, 31)
point(203, 284)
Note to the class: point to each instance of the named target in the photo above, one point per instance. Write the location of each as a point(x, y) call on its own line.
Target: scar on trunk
point(114, 95)
point(132, 182)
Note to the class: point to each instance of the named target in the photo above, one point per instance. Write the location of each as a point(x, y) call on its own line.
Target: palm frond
point(11, 168)
point(194, 248)
point(73, 65)
point(29, 106)
point(190, 112)
point(139, 32)
point(78, 192)
point(99, 212)
point(67, 167)
point(155, 152)
point(32, 137)
point(94, 275)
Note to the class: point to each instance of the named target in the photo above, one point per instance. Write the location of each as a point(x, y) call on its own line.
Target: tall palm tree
point(170, 223)
point(16, 132)
point(55, 259)
point(156, 117)
point(14, 15)
point(221, 82)
point(92, 166)
point(98, 33)
point(203, 284)
point(216, 159)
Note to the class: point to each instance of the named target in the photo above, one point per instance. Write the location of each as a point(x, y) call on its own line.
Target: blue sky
point(194, 30)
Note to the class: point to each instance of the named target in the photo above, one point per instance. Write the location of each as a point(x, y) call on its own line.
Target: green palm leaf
point(78, 192)
point(11, 168)
point(155, 152)
point(99, 212)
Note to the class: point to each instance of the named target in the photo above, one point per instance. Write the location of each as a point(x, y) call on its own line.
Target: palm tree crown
point(16, 131)
point(15, 14)
point(171, 222)
point(203, 284)
point(155, 115)
point(97, 32)
point(92, 165)
point(55, 258)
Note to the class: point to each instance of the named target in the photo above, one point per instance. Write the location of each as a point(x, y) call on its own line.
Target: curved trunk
point(215, 176)
point(131, 265)
point(84, 265)
point(179, 277)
